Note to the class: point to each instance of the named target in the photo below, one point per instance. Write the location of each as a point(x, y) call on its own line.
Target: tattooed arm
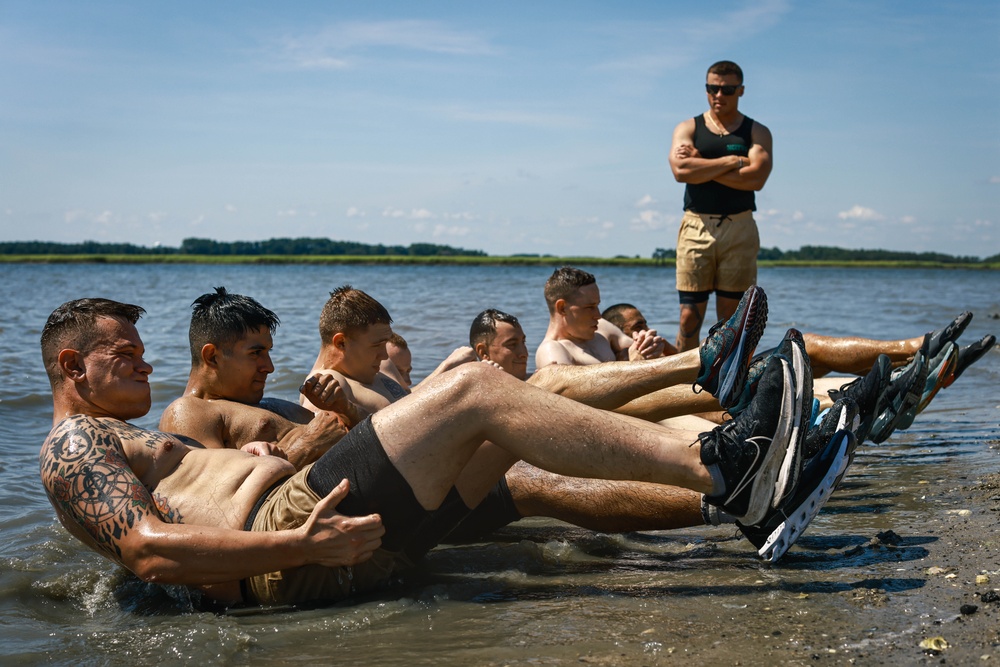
point(100, 500)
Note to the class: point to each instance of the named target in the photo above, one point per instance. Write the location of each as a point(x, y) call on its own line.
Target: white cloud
point(648, 221)
point(421, 214)
point(156, 216)
point(646, 200)
point(105, 217)
point(288, 213)
point(860, 213)
point(798, 216)
point(390, 212)
point(355, 212)
point(995, 180)
point(332, 47)
point(607, 224)
point(907, 220)
point(445, 230)
point(230, 208)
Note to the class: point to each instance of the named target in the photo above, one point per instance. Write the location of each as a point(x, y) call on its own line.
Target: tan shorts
point(289, 506)
point(717, 252)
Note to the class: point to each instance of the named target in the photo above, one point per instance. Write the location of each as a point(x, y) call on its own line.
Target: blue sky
point(507, 127)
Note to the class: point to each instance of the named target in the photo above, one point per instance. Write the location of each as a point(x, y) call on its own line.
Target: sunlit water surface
point(543, 592)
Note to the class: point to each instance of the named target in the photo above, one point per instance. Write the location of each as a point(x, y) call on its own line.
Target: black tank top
point(712, 197)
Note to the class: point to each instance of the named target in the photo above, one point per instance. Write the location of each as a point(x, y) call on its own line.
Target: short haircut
point(349, 310)
point(73, 326)
point(398, 341)
point(563, 282)
point(484, 327)
point(725, 68)
point(223, 319)
point(616, 314)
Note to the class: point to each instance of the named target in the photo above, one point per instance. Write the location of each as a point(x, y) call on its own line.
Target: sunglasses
point(712, 89)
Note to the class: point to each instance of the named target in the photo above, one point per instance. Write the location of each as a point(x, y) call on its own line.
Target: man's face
point(117, 377)
point(582, 312)
point(402, 359)
point(244, 367)
point(721, 104)
point(634, 321)
point(509, 349)
point(364, 351)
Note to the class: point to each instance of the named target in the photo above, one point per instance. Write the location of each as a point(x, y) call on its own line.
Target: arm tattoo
point(393, 387)
point(88, 478)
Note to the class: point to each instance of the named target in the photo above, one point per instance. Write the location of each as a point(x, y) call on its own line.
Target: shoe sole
point(762, 489)
point(785, 476)
point(934, 384)
point(733, 369)
point(799, 518)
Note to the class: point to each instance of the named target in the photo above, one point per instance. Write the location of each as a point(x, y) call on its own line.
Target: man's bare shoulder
point(551, 351)
point(189, 408)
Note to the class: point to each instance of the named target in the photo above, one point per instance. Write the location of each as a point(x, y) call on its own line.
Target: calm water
point(541, 594)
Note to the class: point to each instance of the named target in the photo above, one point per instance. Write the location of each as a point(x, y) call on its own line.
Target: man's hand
point(261, 448)
point(646, 345)
point(684, 151)
point(461, 355)
point(335, 540)
point(325, 393)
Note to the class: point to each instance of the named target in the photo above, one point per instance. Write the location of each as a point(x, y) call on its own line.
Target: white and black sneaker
point(750, 450)
point(821, 475)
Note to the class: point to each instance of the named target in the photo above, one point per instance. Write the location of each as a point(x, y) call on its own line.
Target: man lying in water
point(244, 527)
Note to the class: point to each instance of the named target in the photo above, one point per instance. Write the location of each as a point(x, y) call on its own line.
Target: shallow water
point(542, 593)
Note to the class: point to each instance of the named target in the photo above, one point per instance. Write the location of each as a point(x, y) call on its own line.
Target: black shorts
point(377, 487)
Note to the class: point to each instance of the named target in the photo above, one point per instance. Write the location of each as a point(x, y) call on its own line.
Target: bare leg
point(431, 437)
point(602, 505)
point(611, 385)
point(855, 355)
point(725, 307)
point(689, 333)
point(668, 403)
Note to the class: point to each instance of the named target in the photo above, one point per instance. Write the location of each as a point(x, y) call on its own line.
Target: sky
point(514, 127)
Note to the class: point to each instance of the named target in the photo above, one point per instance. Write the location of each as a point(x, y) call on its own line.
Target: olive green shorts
point(288, 506)
point(716, 252)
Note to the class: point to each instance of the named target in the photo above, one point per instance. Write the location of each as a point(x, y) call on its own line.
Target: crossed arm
point(739, 173)
point(100, 500)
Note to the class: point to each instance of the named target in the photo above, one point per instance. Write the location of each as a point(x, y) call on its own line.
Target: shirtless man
point(577, 335)
point(223, 405)
point(175, 513)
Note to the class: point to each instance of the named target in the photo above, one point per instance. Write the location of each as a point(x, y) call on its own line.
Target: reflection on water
point(542, 591)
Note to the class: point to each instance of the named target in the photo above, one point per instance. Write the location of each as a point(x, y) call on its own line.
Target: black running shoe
point(970, 354)
point(725, 354)
point(820, 477)
point(757, 366)
point(751, 448)
point(935, 341)
point(903, 393)
point(843, 414)
point(793, 348)
point(869, 392)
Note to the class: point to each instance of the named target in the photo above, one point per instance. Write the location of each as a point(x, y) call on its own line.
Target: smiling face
point(508, 349)
point(242, 369)
point(363, 352)
point(116, 376)
point(582, 312)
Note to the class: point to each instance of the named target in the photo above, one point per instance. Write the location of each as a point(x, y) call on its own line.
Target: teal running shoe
point(726, 352)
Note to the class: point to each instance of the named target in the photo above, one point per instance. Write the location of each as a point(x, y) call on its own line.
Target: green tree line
point(195, 246)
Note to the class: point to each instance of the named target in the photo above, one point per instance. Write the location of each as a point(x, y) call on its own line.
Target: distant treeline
point(812, 253)
point(328, 247)
point(192, 246)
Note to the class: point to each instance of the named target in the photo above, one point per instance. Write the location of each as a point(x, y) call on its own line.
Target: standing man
point(723, 157)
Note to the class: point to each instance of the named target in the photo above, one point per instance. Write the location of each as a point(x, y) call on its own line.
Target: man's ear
point(561, 306)
point(339, 340)
point(482, 351)
point(210, 355)
point(72, 366)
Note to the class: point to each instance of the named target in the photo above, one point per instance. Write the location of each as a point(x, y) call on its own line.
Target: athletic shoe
point(869, 393)
point(726, 351)
point(757, 366)
point(751, 449)
point(935, 341)
point(941, 368)
point(820, 478)
point(903, 393)
point(793, 348)
point(843, 415)
point(970, 354)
